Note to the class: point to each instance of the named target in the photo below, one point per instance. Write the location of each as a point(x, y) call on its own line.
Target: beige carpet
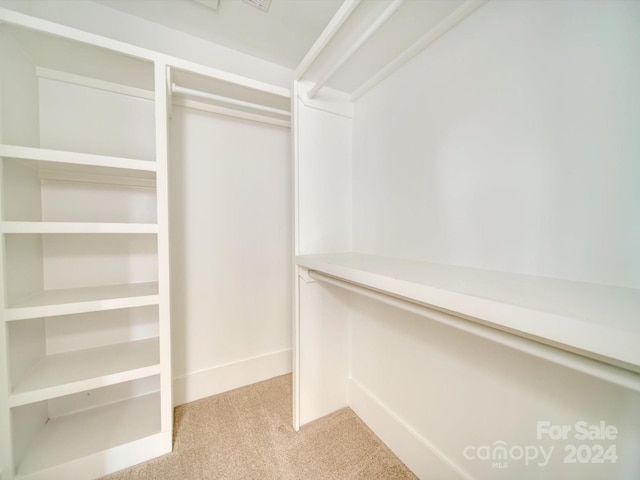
point(247, 434)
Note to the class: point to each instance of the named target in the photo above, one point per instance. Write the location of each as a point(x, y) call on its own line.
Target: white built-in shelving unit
point(85, 304)
point(86, 386)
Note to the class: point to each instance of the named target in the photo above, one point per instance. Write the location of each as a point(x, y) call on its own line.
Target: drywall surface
point(124, 127)
point(230, 251)
point(510, 144)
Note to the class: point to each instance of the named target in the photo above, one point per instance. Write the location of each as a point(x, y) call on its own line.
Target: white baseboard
point(424, 459)
point(222, 378)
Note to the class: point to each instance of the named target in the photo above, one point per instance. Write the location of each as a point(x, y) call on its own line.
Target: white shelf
point(54, 160)
point(81, 300)
point(77, 227)
point(596, 321)
point(65, 439)
point(83, 219)
point(72, 372)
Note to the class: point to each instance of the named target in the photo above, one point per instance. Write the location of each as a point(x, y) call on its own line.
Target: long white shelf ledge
point(77, 227)
point(599, 322)
point(56, 159)
point(82, 300)
point(72, 372)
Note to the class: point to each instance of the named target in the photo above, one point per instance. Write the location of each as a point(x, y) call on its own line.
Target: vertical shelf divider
point(162, 102)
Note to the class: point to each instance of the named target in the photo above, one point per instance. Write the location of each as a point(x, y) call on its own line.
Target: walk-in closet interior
point(431, 216)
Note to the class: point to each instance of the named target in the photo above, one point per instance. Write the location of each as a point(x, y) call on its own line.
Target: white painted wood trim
point(7, 450)
point(82, 300)
point(82, 177)
point(222, 378)
point(74, 79)
point(72, 372)
point(341, 16)
point(149, 444)
point(386, 14)
point(12, 314)
point(44, 394)
point(421, 455)
point(76, 227)
point(109, 461)
point(164, 276)
point(423, 42)
point(336, 102)
point(295, 327)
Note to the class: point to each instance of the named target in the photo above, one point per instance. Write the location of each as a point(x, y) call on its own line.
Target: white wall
point(230, 252)
point(510, 144)
point(69, 121)
point(18, 95)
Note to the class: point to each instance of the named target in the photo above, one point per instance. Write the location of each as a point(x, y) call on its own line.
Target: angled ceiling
point(282, 35)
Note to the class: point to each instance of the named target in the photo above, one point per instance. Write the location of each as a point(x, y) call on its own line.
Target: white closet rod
point(368, 33)
point(341, 16)
point(589, 366)
point(176, 89)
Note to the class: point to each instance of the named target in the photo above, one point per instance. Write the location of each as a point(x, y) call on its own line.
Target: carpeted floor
point(247, 434)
